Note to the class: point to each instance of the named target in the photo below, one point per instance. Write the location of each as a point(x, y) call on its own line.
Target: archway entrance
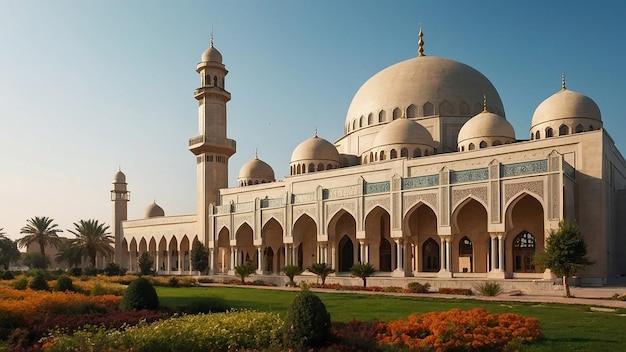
point(346, 254)
point(430, 256)
point(523, 252)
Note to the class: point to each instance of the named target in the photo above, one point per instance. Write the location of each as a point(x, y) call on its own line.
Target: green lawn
point(565, 327)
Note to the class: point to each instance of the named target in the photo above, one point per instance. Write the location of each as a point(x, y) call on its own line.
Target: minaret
point(120, 197)
point(211, 147)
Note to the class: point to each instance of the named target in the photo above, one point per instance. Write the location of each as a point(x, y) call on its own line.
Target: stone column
point(500, 253)
point(181, 266)
point(416, 253)
point(259, 260)
point(494, 253)
point(211, 261)
point(448, 259)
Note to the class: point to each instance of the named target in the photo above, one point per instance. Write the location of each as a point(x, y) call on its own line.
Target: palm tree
point(322, 270)
point(42, 231)
point(2, 234)
point(92, 238)
point(69, 253)
point(363, 271)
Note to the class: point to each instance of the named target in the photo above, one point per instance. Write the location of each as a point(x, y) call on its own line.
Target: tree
point(145, 262)
point(199, 256)
point(35, 260)
point(362, 270)
point(42, 231)
point(565, 252)
point(291, 271)
point(8, 251)
point(69, 253)
point(322, 270)
point(243, 271)
point(93, 239)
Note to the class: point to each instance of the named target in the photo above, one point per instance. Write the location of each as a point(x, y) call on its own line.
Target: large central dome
point(421, 87)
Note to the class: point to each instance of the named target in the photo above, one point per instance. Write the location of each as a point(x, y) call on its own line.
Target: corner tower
point(211, 147)
point(120, 197)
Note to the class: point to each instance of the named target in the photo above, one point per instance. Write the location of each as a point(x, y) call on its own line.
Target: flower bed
point(456, 291)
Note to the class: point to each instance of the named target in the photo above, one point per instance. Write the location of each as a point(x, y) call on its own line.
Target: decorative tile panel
point(512, 190)
point(469, 175)
point(221, 209)
point(302, 198)
point(272, 203)
point(341, 192)
point(420, 182)
point(428, 198)
point(242, 207)
point(376, 187)
point(525, 168)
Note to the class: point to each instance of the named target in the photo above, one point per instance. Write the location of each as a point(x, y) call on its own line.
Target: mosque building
point(428, 182)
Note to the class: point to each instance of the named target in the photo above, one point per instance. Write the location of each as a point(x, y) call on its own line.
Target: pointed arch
point(446, 108)
point(469, 221)
point(429, 109)
point(304, 233)
point(524, 215)
point(378, 235)
point(342, 224)
point(430, 256)
point(411, 111)
point(397, 113)
point(272, 238)
point(346, 254)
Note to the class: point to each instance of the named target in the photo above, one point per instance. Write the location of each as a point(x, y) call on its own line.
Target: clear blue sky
point(90, 86)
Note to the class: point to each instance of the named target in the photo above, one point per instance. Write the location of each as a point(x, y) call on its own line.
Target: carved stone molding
point(278, 214)
point(513, 189)
point(238, 220)
point(458, 195)
point(429, 199)
point(348, 206)
point(298, 211)
point(383, 202)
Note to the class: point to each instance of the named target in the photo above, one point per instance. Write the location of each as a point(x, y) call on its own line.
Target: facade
point(428, 181)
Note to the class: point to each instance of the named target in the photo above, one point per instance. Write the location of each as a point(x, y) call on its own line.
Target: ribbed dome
point(315, 148)
point(448, 85)
point(212, 55)
point(119, 177)
point(566, 104)
point(153, 210)
point(487, 125)
point(402, 131)
point(256, 170)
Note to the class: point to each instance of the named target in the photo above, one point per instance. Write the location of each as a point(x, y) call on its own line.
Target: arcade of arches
point(471, 248)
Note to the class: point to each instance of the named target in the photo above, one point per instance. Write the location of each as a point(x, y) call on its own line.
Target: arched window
point(311, 168)
point(471, 146)
point(397, 113)
point(299, 170)
point(579, 128)
point(549, 132)
point(346, 254)
point(382, 116)
point(382, 155)
point(393, 154)
point(370, 119)
point(482, 144)
point(591, 128)
point(496, 142)
point(417, 152)
point(429, 109)
point(372, 157)
point(446, 108)
point(430, 256)
point(411, 111)
point(329, 167)
point(426, 152)
point(362, 121)
point(537, 135)
point(215, 81)
point(563, 130)
point(404, 152)
point(523, 252)
point(466, 250)
point(320, 167)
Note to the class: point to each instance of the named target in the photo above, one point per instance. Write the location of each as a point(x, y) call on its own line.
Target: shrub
point(416, 287)
point(243, 271)
point(76, 272)
point(205, 280)
point(488, 288)
point(322, 270)
point(21, 283)
point(145, 262)
point(173, 282)
point(139, 295)
point(291, 271)
point(308, 322)
point(64, 283)
point(114, 269)
point(7, 275)
point(363, 271)
point(39, 283)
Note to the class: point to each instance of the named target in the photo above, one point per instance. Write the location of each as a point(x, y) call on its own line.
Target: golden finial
point(484, 102)
point(563, 81)
point(315, 135)
point(420, 43)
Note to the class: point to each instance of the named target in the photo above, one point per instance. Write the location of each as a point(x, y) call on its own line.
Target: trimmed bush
point(416, 287)
point(21, 283)
point(7, 275)
point(308, 322)
point(64, 283)
point(140, 294)
point(39, 283)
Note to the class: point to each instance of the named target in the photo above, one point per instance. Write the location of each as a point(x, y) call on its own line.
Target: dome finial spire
point(256, 153)
point(484, 102)
point(315, 135)
point(563, 81)
point(211, 35)
point(420, 42)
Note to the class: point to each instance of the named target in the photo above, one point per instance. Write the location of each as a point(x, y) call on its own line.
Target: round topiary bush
point(7, 275)
point(39, 282)
point(64, 283)
point(139, 295)
point(308, 322)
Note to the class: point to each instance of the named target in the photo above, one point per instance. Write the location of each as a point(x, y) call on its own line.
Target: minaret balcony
point(202, 91)
point(200, 144)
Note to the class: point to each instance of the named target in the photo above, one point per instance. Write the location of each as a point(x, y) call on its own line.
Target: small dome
point(402, 131)
point(153, 210)
point(315, 148)
point(255, 171)
point(487, 125)
point(119, 177)
point(212, 55)
point(566, 104)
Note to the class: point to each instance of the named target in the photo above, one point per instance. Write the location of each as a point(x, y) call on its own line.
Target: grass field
point(565, 327)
